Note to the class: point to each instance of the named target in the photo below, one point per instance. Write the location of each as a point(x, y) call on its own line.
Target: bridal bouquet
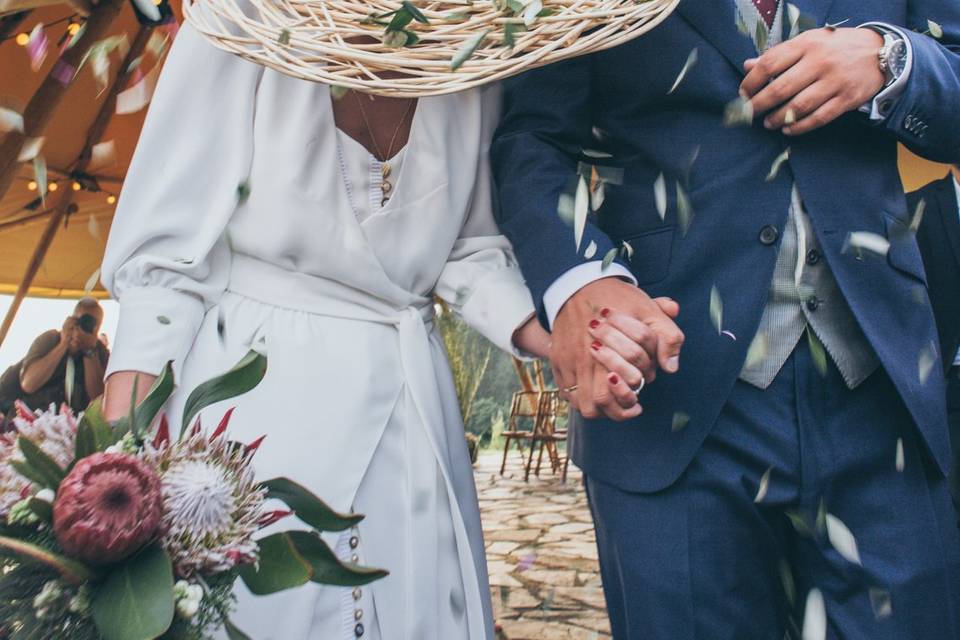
point(122, 532)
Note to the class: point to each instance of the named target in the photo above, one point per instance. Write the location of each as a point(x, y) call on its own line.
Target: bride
point(259, 212)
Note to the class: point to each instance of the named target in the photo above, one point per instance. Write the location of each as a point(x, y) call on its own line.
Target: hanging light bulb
point(73, 28)
point(111, 199)
point(77, 186)
point(53, 186)
point(22, 39)
point(32, 185)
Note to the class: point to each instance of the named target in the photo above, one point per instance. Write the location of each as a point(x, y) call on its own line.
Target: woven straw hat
point(420, 47)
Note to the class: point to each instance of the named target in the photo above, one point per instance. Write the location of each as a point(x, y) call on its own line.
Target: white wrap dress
point(358, 403)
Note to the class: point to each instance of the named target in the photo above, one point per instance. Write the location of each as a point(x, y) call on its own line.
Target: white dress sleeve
point(481, 280)
point(167, 259)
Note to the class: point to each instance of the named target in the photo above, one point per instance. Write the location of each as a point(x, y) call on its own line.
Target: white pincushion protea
point(212, 505)
point(54, 432)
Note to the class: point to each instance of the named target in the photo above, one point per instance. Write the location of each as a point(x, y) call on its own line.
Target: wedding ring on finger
point(572, 389)
point(639, 390)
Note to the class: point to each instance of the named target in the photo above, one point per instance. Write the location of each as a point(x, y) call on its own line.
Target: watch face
point(897, 58)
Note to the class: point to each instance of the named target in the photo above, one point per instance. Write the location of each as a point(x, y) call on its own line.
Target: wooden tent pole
point(59, 210)
point(44, 102)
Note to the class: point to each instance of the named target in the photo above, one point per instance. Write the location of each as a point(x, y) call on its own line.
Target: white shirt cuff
point(880, 107)
point(577, 278)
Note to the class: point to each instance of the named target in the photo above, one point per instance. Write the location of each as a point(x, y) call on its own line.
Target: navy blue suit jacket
point(939, 240)
point(846, 173)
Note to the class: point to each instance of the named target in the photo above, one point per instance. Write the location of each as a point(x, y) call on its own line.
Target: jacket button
point(813, 257)
point(769, 235)
point(885, 106)
point(813, 303)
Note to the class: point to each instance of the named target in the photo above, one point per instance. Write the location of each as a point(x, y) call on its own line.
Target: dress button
point(358, 630)
point(813, 257)
point(769, 235)
point(813, 303)
point(354, 558)
point(358, 614)
point(354, 542)
point(357, 593)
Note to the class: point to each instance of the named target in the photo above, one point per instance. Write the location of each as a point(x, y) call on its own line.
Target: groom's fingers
point(784, 87)
point(669, 342)
point(823, 116)
point(760, 71)
point(802, 105)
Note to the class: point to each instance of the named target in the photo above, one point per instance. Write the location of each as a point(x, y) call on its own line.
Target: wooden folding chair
point(546, 434)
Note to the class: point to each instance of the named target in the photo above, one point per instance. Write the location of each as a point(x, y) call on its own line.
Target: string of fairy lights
point(148, 13)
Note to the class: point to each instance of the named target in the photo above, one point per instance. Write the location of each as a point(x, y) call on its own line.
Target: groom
point(787, 471)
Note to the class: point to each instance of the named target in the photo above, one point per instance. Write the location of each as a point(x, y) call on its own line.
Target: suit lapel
point(716, 21)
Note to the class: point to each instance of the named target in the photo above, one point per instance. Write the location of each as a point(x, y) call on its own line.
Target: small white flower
point(188, 608)
point(47, 495)
point(49, 594)
point(80, 603)
point(195, 593)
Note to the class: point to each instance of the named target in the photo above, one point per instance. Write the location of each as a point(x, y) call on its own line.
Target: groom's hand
point(651, 341)
point(809, 81)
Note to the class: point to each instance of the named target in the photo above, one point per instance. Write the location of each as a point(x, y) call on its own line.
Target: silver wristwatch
point(892, 57)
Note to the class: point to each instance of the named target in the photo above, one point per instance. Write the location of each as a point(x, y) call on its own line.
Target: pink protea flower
point(107, 508)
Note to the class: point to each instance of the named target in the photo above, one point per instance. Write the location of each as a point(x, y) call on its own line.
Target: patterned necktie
point(768, 10)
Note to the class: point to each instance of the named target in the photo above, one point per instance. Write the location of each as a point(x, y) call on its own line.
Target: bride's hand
point(531, 338)
point(619, 347)
point(117, 391)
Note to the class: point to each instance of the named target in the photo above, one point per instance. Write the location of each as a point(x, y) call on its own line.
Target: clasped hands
point(609, 339)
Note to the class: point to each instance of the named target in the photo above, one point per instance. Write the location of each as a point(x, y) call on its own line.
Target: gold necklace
point(386, 188)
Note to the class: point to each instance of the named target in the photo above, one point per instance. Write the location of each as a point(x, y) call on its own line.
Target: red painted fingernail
point(614, 379)
point(596, 346)
point(594, 324)
point(605, 312)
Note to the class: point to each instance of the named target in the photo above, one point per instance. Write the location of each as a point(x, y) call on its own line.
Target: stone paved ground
point(541, 553)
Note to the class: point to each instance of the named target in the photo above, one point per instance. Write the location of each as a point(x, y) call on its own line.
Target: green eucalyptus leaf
point(467, 50)
point(42, 509)
point(76, 573)
point(233, 633)
point(414, 12)
point(279, 568)
point(158, 395)
point(308, 507)
point(45, 466)
point(135, 600)
point(327, 568)
point(243, 377)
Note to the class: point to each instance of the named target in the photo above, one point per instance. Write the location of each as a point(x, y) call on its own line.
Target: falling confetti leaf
point(927, 360)
point(935, 30)
point(738, 113)
point(581, 207)
point(793, 19)
point(608, 259)
point(817, 352)
point(37, 47)
point(284, 37)
point(867, 241)
point(627, 250)
point(660, 195)
point(901, 459)
point(815, 617)
point(729, 334)
point(157, 44)
point(757, 352)
point(716, 309)
point(591, 250)
point(777, 164)
point(10, 120)
point(93, 227)
point(842, 539)
point(92, 281)
point(600, 155)
point(786, 578)
point(764, 486)
point(688, 65)
point(680, 422)
point(148, 9)
point(30, 149)
point(881, 603)
point(531, 12)
point(40, 176)
point(102, 155)
point(163, 319)
point(140, 94)
point(917, 217)
point(684, 209)
point(467, 50)
point(243, 192)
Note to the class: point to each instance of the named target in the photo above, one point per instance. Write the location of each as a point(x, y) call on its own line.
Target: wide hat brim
point(419, 48)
